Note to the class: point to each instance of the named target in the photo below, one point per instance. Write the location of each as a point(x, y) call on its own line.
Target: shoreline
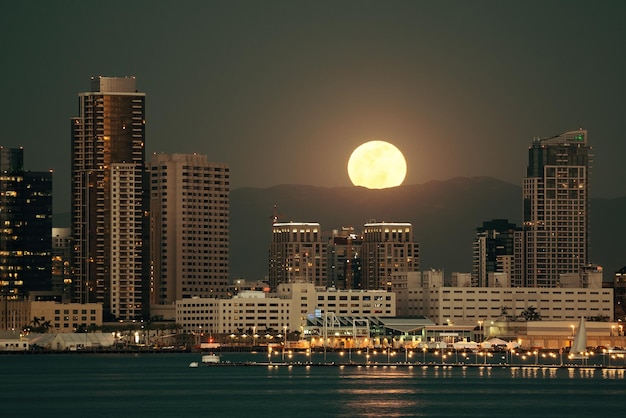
point(409, 365)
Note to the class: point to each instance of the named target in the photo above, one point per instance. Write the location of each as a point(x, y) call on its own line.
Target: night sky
point(283, 91)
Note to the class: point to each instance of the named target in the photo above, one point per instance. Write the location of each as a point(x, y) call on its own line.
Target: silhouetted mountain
point(444, 215)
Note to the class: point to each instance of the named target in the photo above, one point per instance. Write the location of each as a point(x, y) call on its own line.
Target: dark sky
point(283, 91)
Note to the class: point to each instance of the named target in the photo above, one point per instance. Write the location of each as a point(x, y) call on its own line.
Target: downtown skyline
point(457, 87)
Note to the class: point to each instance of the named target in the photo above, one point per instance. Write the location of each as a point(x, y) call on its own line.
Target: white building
point(287, 310)
point(468, 305)
point(125, 242)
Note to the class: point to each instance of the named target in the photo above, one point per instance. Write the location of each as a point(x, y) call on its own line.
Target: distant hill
point(444, 215)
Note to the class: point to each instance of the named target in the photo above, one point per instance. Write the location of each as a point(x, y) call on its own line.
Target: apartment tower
point(189, 228)
point(556, 208)
point(109, 206)
point(297, 254)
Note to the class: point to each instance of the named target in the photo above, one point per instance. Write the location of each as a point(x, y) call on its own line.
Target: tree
point(531, 314)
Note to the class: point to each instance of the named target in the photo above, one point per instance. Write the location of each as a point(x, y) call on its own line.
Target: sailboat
point(579, 345)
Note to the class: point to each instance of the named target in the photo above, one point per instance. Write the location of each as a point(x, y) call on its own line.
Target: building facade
point(189, 228)
point(390, 256)
point(109, 206)
point(469, 305)
point(556, 208)
point(344, 259)
point(494, 252)
point(26, 219)
point(62, 245)
point(297, 254)
point(288, 310)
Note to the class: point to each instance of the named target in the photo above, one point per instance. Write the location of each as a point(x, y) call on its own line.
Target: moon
point(377, 165)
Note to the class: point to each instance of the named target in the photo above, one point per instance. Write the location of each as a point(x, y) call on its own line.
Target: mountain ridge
point(444, 215)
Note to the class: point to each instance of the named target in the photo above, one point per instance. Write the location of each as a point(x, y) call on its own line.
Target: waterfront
point(162, 385)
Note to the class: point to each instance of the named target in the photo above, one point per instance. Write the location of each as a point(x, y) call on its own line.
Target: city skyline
point(456, 87)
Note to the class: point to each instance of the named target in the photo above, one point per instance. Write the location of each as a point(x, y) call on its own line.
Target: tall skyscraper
point(494, 253)
point(297, 254)
point(556, 208)
point(189, 228)
point(109, 206)
point(26, 227)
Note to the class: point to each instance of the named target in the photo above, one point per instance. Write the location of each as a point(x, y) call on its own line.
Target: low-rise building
point(252, 312)
point(66, 317)
point(469, 305)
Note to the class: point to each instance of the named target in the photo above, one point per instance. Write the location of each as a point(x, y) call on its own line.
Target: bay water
point(162, 385)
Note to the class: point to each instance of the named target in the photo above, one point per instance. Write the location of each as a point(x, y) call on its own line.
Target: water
point(162, 385)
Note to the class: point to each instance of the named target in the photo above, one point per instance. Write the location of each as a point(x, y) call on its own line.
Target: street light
point(480, 327)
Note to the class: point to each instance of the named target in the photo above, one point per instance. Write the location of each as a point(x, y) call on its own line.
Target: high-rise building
point(297, 254)
point(493, 258)
point(556, 208)
point(389, 252)
point(189, 228)
point(109, 206)
point(26, 219)
point(390, 260)
point(344, 259)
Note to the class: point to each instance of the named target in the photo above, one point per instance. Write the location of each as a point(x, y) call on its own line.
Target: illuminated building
point(189, 227)
point(26, 227)
point(493, 258)
point(556, 208)
point(390, 259)
point(109, 206)
point(344, 259)
point(297, 254)
point(287, 309)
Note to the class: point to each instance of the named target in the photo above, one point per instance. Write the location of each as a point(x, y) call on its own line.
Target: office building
point(556, 208)
point(26, 219)
point(297, 254)
point(344, 259)
point(109, 206)
point(469, 305)
point(493, 258)
point(189, 227)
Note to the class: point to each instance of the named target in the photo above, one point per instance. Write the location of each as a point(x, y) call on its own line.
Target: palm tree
point(531, 314)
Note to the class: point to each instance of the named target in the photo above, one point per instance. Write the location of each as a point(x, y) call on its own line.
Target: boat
point(211, 359)
point(193, 364)
point(578, 349)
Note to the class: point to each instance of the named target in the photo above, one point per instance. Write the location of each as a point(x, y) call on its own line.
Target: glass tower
point(26, 227)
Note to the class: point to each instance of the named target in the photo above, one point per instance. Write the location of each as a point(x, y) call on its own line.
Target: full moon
point(377, 165)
